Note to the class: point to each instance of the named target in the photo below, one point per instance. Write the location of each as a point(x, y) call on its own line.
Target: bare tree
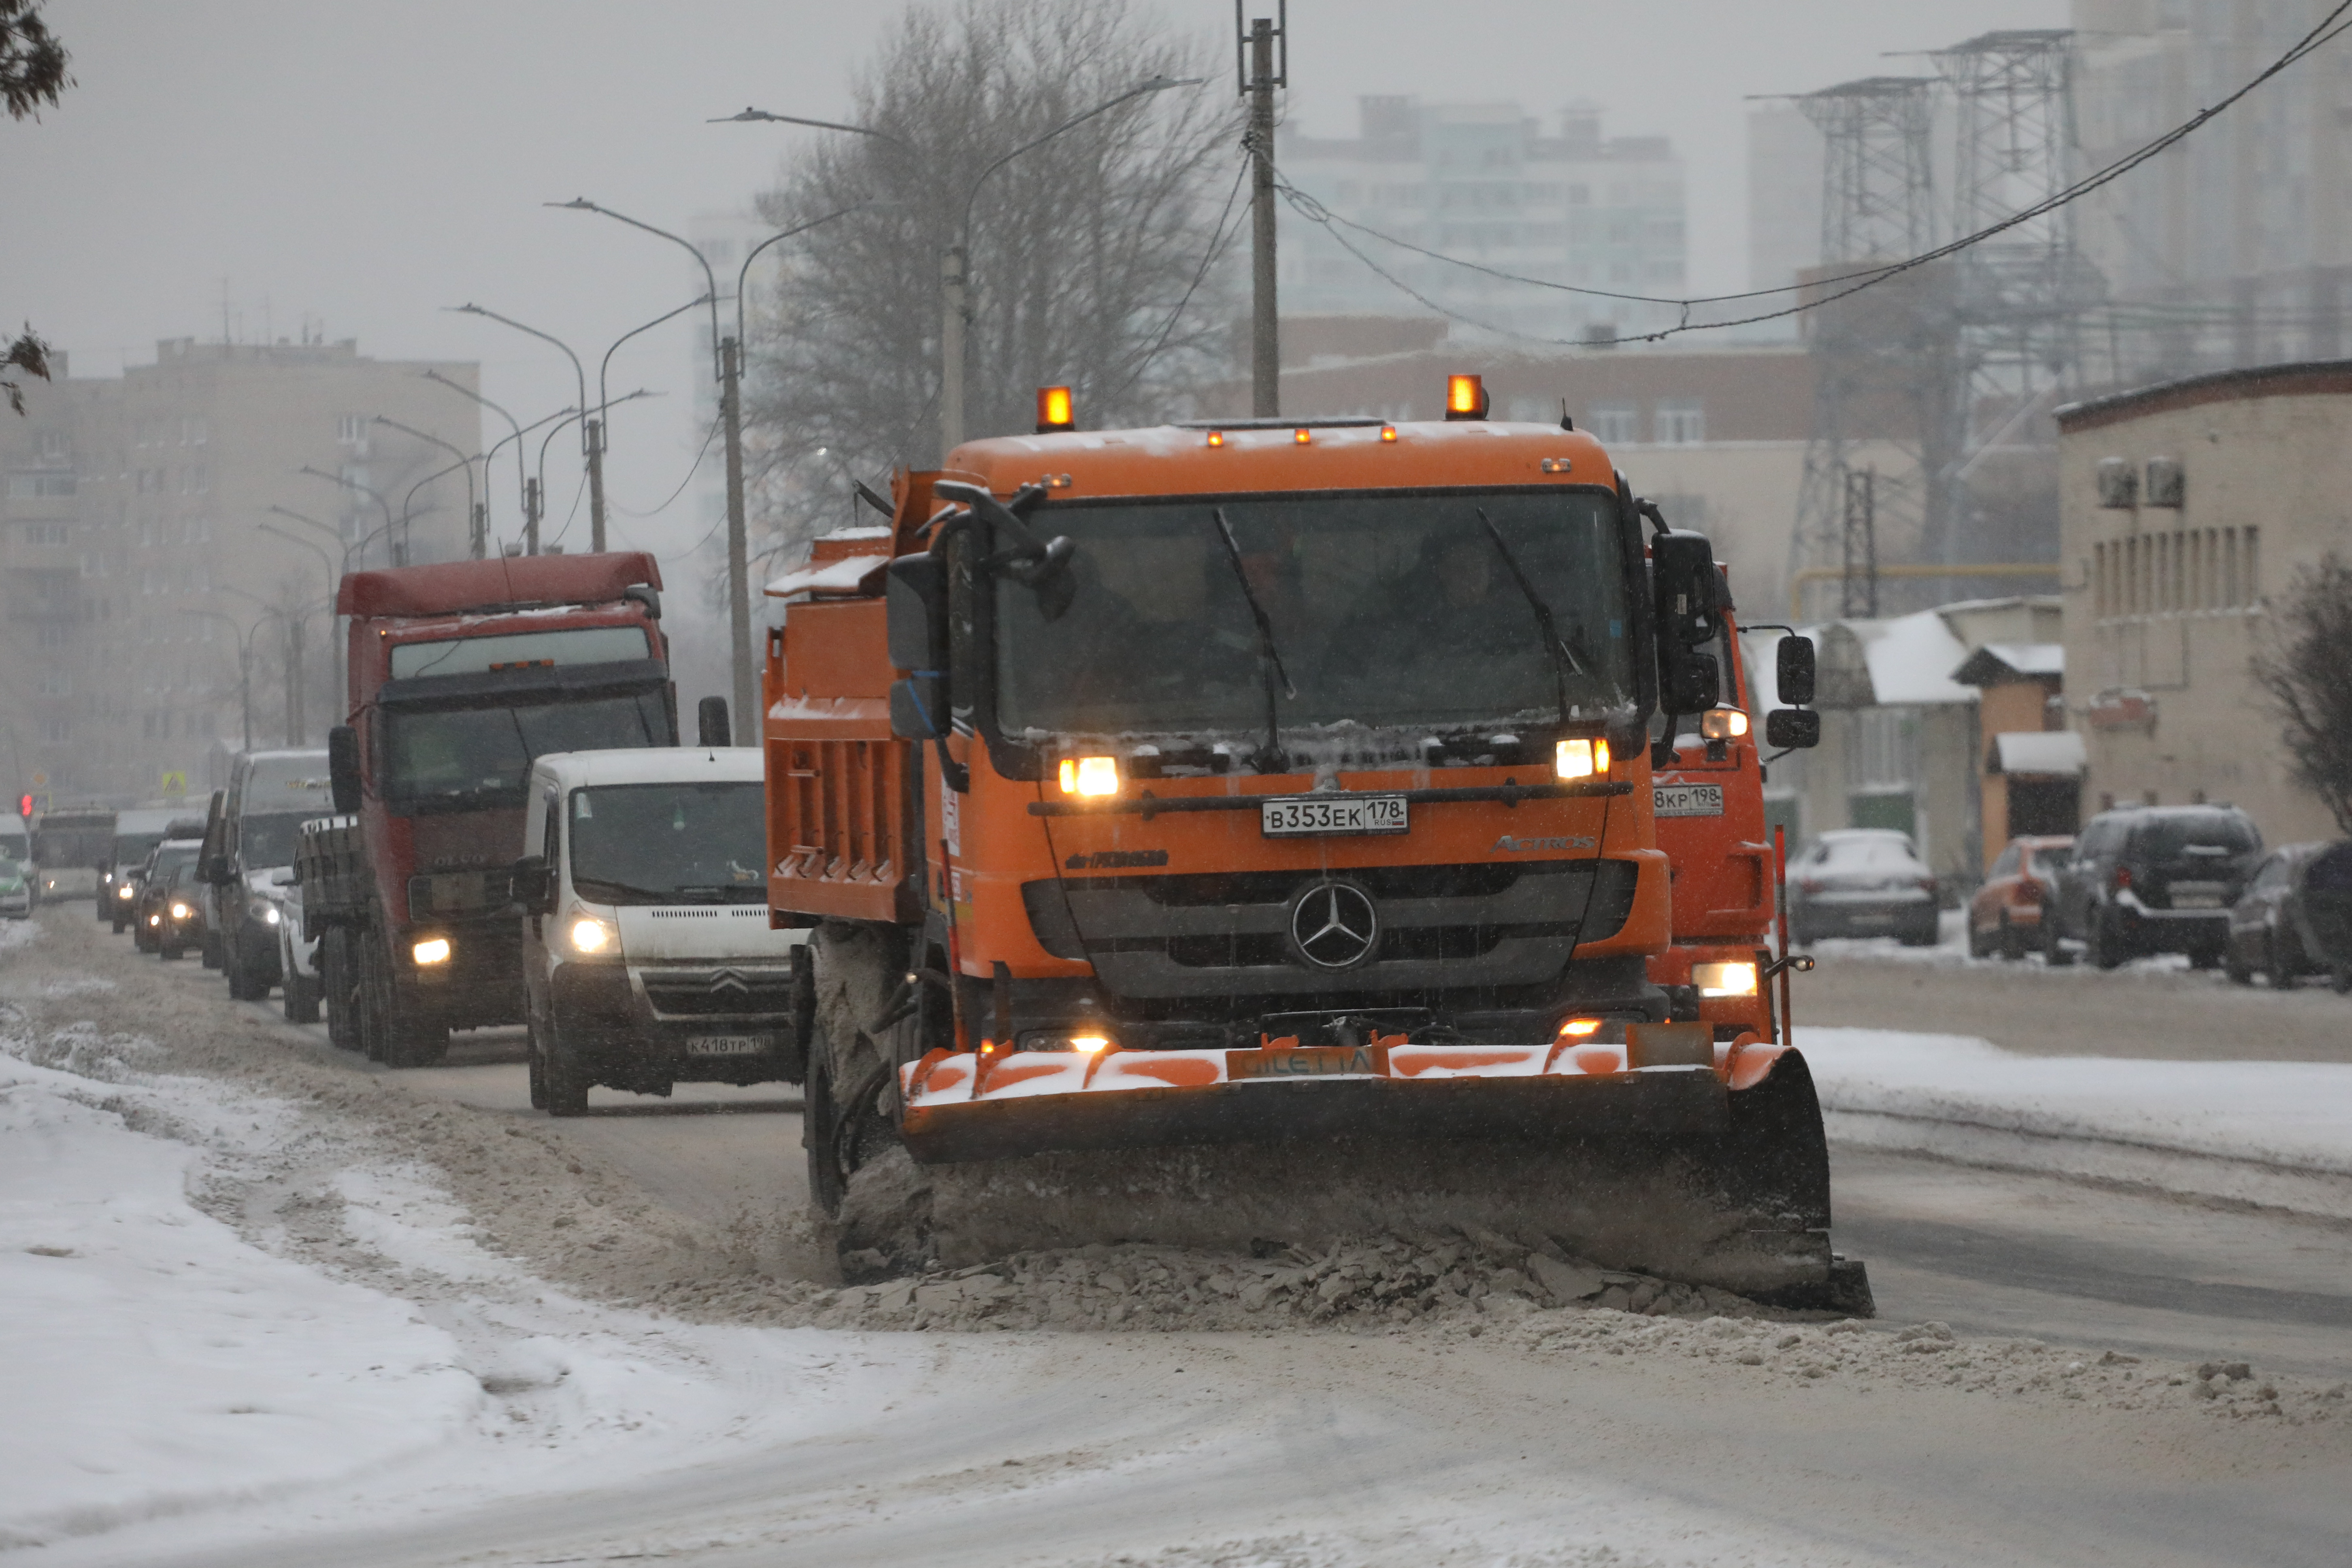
point(1090, 257)
point(2302, 664)
point(32, 72)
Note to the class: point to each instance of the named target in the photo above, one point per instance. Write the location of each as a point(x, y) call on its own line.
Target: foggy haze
point(357, 168)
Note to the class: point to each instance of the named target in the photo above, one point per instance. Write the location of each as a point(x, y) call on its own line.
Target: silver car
point(1862, 882)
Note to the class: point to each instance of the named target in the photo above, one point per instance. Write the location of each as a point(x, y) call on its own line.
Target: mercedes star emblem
point(1334, 926)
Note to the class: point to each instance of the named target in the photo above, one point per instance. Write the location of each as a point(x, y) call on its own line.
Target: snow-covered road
point(261, 1309)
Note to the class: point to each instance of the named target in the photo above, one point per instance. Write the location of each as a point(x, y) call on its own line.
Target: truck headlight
point(1581, 759)
point(430, 950)
point(590, 934)
point(1090, 775)
point(1722, 724)
point(1729, 979)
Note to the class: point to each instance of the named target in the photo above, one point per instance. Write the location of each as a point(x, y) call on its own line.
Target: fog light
point(590, 934)
point(1729, 978)
point(1581, 759)
point(1090, 775)
point(1722, 724)
point(1579, 1029)
point(432, 949)
point(155, 920)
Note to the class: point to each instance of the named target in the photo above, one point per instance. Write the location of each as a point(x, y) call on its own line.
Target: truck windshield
point(267, 839)
point(670, 843)
point(1388, 610)
point(465, 759)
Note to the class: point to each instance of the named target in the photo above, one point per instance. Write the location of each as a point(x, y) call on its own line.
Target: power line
point(1218, 241)
point(2328, 28)
point(692, 469)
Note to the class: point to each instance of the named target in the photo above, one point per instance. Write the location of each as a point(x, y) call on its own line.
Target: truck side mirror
point(343, 767)
point(534, 885)
point(711, 728)
point(1683, 579)
point(919, 706)
point(916, 603)
point(1793, 660)
point(1792, 729)
point(1689, 682)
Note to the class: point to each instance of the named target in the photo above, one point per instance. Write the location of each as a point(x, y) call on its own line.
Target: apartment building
point(160, 600)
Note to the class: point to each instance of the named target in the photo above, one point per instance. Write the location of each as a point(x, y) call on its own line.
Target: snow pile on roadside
point(169, 1381)
point(1366, 1282)
point(162, 1365)
point(1924, 1355)
point(2266, 1132)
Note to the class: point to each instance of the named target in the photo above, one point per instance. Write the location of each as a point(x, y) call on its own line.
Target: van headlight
point(590, 934)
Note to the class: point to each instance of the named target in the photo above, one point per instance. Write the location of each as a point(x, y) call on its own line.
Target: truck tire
point(2054, 951)
point(335, 990)
point(298, 992)
point(410, 1041)
point(846, 1120)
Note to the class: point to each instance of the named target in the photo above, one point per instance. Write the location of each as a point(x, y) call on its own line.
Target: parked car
point(2152, 878)
point(152, 915)
point(2267, 929)
point(647, 955)
point(2005, 914)
point(1862, 882)
point(16, 889)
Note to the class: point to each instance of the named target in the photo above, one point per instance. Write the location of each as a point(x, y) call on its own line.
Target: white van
point(647, 956)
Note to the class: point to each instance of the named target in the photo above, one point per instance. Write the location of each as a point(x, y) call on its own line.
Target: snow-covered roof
point(653, 764)
point(847, 575)
point(2029, 659)
point(2045, 752)
point(1911, 659)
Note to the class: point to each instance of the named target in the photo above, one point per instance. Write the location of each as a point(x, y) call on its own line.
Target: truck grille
point(1443, 928)
point(728, 991)
point(460, 892)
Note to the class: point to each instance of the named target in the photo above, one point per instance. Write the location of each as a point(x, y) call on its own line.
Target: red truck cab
point(462, 674)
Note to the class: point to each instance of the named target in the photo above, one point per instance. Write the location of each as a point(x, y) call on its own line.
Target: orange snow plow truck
point(1225, 835)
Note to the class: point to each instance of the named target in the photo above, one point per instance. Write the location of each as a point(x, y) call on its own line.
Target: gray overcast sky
point(367, 163)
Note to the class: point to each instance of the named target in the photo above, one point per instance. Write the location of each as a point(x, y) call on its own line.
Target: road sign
point(175, 784)
point(40, 781)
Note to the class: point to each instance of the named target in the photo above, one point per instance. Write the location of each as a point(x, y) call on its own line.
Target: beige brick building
point(134, 569)
point(2184, 507)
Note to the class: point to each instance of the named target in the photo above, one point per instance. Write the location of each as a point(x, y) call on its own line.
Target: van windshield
point(670, 843)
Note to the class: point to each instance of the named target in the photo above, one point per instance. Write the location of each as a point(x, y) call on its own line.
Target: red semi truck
point(461, 675)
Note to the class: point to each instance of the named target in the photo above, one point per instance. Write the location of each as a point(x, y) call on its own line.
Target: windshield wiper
point(1269, 657)
point(1563, 658)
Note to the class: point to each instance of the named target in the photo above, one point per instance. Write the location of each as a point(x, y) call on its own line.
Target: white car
point(1862, 882)
point(647, 955)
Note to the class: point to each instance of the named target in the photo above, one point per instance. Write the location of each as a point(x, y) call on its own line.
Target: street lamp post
point(397, 548)
point(293, 624)
point(954, 309)
point(476, 521)
point(522, 485)
point(243, 664)
point(591, 438)
point(334, 663)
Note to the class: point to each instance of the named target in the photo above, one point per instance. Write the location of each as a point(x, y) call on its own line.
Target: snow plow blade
point(1714, 1173)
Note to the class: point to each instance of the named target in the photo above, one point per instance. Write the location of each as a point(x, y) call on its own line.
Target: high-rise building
point(1483, 183)
point(149, 614)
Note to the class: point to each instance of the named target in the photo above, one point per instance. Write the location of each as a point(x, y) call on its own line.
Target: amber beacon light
point(1465, 397)
point(1055, 409)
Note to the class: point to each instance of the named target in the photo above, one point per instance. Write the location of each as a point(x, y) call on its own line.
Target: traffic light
point(24, 805)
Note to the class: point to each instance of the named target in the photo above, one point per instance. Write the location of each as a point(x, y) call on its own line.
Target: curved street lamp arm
point(582, 204)
point(1154, 84)
point(757, 115)
point(435, 376)
point(604, 367)
point(448, 447)
point(464, 463)
point(578, 374)
point(743, 273)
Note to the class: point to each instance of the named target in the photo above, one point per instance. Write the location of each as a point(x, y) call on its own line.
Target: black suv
point(2149, 879)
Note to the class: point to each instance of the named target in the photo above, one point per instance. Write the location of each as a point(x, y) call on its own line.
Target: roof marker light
point(1301, 435)
point(1055, 410)
point(1216, 437)
point(1388, 432)
point(1465, 397)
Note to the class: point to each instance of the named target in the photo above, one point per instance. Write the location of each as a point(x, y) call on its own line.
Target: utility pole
point(1859, 586)
point(597, 485)
point(478, 529)
point(294, 681)
point(739, 566)
point(954, 316)
point(1260, 76)
point(531, 516)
